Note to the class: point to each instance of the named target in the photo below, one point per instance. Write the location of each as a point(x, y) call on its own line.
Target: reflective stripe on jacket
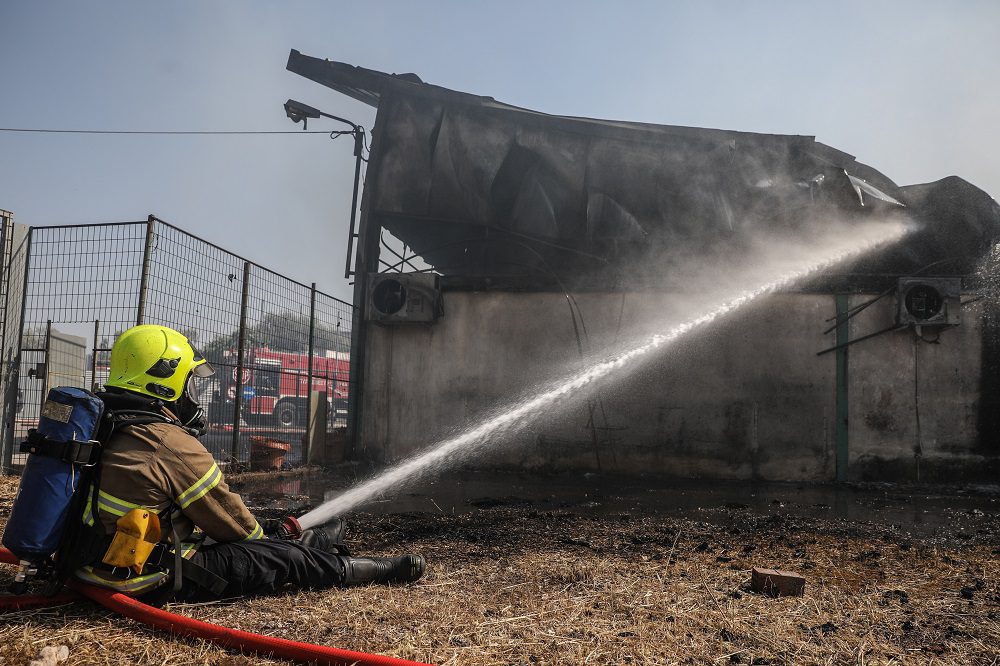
point(135, 584)
point(162, 468)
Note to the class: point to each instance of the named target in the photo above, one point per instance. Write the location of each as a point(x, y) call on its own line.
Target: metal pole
point(240, 358)
point(6, 241)
point(358, 142)
point(45, 378)
point(366, 259)
point(307, 440)
point(93, 359)
point(5, 373)
point(147, 255)
point(842, 388)
point(15, 375)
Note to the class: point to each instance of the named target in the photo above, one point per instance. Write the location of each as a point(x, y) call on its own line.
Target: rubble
point(51, 655)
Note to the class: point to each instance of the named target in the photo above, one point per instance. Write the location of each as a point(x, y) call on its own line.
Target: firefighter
point(159, 471)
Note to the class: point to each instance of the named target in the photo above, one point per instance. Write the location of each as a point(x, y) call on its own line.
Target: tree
point(285, 331)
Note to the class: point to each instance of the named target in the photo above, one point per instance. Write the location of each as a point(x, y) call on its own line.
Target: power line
point(70, 131)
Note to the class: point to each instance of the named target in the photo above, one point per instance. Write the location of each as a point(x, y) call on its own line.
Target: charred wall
point(987, 283)
point(517, 210)
point(749, 399)
point(488, 191)
point(915, 400)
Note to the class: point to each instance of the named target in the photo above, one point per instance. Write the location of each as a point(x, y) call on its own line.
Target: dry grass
point(519, 586)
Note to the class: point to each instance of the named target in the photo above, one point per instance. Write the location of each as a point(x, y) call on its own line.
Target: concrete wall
point(746, 397)
point(914, 403)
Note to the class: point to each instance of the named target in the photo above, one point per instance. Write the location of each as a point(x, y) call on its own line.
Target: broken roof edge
point(368, 86)
point(364, 85)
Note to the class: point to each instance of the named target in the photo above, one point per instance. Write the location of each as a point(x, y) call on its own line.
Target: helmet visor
point(191, 389)
point(204, 369)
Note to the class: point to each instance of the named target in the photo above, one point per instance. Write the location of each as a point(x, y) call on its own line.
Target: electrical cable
point(336, 134)
point(161, 132)
point(574, 307)
point(572, 302)
point(395, 253)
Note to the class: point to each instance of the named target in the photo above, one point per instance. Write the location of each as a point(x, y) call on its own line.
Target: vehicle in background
point(276, 385)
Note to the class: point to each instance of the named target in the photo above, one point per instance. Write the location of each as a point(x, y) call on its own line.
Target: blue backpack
point(65, 442)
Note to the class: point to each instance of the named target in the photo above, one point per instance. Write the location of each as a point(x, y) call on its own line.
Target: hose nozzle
point(290, 529)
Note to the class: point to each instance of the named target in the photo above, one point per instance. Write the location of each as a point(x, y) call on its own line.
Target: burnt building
point(530, 244)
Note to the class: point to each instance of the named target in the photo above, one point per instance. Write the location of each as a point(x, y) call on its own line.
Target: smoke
point(689, 281)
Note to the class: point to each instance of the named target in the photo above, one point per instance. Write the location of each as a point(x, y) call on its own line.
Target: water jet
point(512, 417)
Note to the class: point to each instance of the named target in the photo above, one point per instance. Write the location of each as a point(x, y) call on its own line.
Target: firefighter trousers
point(263, 566)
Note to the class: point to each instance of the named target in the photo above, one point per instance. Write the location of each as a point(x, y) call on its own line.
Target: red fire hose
point(223, 636)
point(10, 602)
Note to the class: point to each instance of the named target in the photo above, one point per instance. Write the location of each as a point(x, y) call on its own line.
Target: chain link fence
point(68, 291)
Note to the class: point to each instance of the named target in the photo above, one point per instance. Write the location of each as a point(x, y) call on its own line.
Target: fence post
point(308, 440)
point(6, 231)
point(316, 428)
point(240, 358)
point(45, 365)
point(147, 256)
point(14, 378)
point(5, 373)
point(93, 358)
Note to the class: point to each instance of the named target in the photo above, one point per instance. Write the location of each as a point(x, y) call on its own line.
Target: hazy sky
point(911, 88)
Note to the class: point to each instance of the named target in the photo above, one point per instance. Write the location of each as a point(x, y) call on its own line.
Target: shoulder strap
point(122, 418)
point(74, 452)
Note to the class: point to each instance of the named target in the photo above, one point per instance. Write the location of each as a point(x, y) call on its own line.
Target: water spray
point(516, 416)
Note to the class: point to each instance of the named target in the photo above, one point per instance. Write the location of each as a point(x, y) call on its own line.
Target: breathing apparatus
point(63, 447)
point(189, 410)
point(152, 367)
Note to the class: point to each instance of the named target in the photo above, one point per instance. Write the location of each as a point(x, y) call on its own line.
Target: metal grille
point(272, 340)
point(333, 340)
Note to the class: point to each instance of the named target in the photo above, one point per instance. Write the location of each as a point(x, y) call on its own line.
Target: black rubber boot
point(401, 569)
point(329, 537)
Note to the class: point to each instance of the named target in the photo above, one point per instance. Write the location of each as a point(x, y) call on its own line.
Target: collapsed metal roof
point(479, 188)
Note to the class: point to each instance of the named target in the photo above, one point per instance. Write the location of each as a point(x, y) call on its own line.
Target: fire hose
point(10, 602)
point(243, 641)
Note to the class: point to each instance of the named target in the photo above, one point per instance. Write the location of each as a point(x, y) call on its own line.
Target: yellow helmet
point(155, 361)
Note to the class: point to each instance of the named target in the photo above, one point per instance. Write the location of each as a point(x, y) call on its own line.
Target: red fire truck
point(276, 385)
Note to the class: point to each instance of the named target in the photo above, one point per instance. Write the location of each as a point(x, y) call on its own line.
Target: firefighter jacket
point(161, 467)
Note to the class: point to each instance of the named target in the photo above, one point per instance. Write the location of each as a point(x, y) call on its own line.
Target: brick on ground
point(777, 583)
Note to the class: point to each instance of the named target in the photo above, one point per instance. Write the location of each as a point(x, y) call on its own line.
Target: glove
point(269, 525)
point(281, 528)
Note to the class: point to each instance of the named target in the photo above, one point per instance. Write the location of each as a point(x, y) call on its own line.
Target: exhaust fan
point(929, 301)
point(397, 298)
